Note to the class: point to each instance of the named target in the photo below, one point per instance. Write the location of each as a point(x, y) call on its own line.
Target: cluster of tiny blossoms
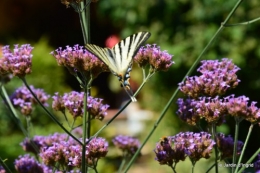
point(173, 149)
point(129, 145)
point(214, 110)
point(23, 99)
point(78, 60)
point(59, 148)
point(215, 79)
point(74, 102)
point(27, 164)
point(18, 63)
point(204, 101)
point(152, 55)
point(225, 145)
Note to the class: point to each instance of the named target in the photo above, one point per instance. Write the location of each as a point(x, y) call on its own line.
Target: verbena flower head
point(27, 164)
point(215, 79)
point(23, 99)
point(96, 149)
point(129, 145)
point(239, 107)
point(18, 62)
point(213, 110)
point(152, 55)
point(78, 60)
point(196, 145)
point(74, 102)
point(33, 145)
point(225, 145)
point(166, 155)
point(186, 111)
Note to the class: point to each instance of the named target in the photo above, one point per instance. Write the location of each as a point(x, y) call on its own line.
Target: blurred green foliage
point(181, 27)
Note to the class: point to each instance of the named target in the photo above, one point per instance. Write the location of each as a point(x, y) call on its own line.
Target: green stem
point(48, 112)
point(250, 160)
point(245, 144)
point(85, 20)
point(176, 91)
point(243, 23)
point(14, 115)
point(215, 164)
point(118, 113)
point(235, 143)
point(5, 166)
point(215, 146)
point(122, 164)
point(86, 123)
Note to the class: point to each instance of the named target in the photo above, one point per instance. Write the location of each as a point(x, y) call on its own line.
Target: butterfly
point(119, 58)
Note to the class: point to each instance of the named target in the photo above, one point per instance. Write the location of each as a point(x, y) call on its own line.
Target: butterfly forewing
point(104, 54)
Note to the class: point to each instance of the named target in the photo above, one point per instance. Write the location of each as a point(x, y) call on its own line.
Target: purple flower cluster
point(214, 110)
point(216, 78)
point(225, 145)
point(77, 59)
point(35, 144)
point(59, 148)
point(74, 102)
point(96, 149)
point(129, 145)
point(27, 164)
point(23, 99)
point(151, 54)
point(18, 62)
point(173, 149)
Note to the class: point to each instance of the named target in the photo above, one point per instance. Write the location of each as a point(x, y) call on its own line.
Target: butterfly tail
point(129, 92)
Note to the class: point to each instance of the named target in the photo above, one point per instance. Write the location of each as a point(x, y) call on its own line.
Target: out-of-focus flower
point(23, 99)
point(74, 102)
point(18, 62)
point(2, 170)
point(129, 145)
point(27, 164)
point(257, 165)
point(152, 55)
point(78, 60)
point(217, 77)
point(111, 41)
point(225, 145)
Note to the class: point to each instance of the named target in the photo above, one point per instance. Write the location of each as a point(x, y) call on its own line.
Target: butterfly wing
point(125, 50)
point(119, 59)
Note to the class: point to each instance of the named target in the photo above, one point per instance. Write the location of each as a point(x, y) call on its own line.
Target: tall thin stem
point(245, 144)
point(235, 143)
point(250, 160)
point(215, 146)
point(48, 112)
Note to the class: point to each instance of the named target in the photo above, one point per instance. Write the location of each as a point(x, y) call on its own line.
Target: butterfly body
point(119, 59)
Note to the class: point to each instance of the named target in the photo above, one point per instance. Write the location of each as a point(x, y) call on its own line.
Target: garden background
point(181, 27)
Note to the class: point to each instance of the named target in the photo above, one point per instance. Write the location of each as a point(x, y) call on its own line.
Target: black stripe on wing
point(104, 54)
point(126, 49)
